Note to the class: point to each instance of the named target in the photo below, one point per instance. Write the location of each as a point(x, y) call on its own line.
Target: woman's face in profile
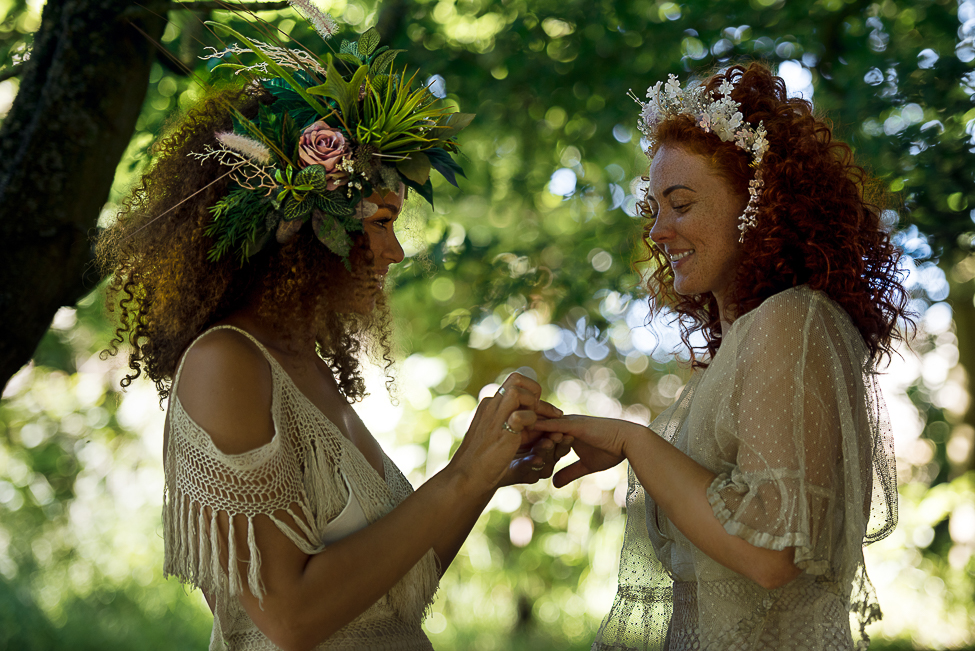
point(379, 212)
point(695, 213)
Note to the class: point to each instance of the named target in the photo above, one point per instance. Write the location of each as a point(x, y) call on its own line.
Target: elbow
point(289, 630)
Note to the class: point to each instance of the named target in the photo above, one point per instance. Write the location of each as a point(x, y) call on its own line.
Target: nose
point(394, 250)
point(662, 231)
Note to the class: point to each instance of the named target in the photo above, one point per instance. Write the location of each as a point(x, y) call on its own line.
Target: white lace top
point(790, 419)
point(308, 471)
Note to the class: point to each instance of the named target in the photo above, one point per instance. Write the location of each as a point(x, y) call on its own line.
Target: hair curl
point(166, 292)
point(814, 226)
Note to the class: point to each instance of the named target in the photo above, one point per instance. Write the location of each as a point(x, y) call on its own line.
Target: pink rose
point(322, 145)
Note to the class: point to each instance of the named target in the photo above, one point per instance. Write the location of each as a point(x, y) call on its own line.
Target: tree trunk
point(80, 94)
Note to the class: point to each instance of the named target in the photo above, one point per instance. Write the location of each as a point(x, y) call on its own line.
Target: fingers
point(548, 410)
point(525, 391)
point(569, 474)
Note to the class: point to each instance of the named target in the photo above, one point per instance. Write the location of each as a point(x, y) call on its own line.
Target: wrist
point(465, 484)
point(629, 435)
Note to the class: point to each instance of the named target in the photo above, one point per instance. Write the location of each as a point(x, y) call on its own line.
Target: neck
point(299, 343)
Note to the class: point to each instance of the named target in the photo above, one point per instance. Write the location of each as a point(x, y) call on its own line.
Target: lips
point(677, 257)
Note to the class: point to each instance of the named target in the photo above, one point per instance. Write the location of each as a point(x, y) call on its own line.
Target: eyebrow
point(392, 208)
point(676, 187)
point(667, 192)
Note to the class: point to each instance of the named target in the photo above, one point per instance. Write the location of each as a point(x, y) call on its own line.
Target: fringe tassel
point(412, 596)
point(234, 586)
point(203, 550)
point(323, 486)
point(254, 564)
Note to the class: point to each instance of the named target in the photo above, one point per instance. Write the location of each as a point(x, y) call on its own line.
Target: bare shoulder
point(225, 386)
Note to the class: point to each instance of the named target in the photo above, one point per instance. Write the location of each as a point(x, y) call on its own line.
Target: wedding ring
point(508, 427)
point(537, 468)
point(501, 391)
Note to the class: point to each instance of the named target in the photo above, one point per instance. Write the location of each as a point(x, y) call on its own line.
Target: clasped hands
point(545, 435)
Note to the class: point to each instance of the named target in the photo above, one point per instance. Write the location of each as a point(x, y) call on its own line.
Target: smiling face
point(695, 222)
point(379, 213)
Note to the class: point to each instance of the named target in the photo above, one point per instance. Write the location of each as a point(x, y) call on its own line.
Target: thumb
point(569, 474)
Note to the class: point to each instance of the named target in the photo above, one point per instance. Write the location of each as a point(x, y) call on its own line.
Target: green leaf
point(334, 203)
point(451, 124)
point(416, 168)
point(333, 236)
point(294, 209)
point(349, 58)
point(289, 133)
point(349, 47)
point(368, 41)
point(425, 190)
point(443, 163)
point(315, 176)
point(384, 61)
point(345, 93)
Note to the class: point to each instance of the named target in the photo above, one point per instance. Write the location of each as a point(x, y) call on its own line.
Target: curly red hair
point(814, 225)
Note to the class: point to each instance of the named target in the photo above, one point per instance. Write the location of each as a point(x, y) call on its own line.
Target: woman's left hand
point(539, 461)
point(598, 442)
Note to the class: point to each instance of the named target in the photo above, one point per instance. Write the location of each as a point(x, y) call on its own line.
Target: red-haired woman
point(751, 497)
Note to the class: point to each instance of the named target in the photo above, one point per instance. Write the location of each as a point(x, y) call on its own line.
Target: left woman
point(247, 274)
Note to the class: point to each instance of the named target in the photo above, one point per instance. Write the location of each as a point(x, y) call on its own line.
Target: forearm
point(336, 585)
point(455, 530)
point(679, 485)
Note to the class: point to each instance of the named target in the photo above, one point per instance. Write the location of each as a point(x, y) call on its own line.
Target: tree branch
point(218, 5)
point(80, 95)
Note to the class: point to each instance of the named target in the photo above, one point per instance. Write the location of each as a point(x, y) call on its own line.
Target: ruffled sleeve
point(794, 438)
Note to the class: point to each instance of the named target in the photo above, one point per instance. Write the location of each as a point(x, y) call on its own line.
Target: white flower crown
point(719, 115)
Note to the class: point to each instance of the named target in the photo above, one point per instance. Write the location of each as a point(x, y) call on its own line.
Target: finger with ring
point(501, 391)
point(509, 428)
point(537, 468)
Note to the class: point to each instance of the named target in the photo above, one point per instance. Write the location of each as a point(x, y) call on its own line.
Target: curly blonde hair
point(165, 291)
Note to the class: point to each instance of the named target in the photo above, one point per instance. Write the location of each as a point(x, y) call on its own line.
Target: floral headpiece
point(329, 139)
point(719, 115)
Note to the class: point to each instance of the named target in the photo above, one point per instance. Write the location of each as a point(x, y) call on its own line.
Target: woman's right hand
point(489, 447)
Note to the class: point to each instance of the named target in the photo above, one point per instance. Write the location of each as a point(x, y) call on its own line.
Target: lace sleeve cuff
point(804, 559)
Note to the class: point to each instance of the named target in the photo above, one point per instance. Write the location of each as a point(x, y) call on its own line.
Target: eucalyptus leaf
point(425, 190)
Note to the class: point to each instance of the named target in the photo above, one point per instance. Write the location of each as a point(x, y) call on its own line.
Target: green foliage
point(239, 223)
point(519, 277)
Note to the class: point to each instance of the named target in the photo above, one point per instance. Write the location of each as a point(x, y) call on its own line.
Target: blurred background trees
point(528, 267)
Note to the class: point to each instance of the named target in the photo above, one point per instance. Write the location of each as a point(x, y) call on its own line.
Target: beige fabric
point(788, 415)
point(301, 476)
